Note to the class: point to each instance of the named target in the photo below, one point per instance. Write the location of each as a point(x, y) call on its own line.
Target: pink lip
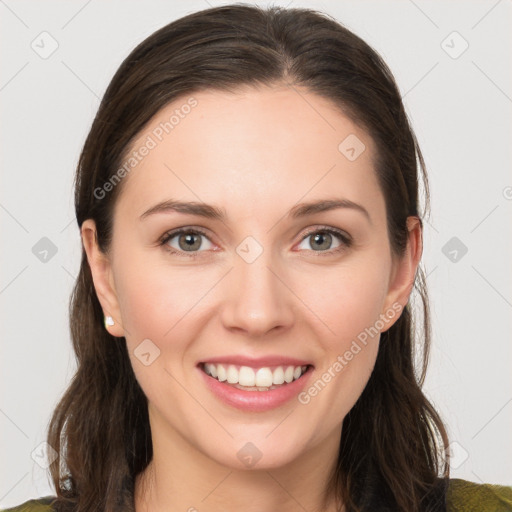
point(257, 362)
point(256, 401)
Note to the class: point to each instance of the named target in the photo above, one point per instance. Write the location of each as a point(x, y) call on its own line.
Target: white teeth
point(232, 374)
point(211, 369)
point(250, 377)
point(246, 376)
point(221, 373)
point(263, 377)
point(278, 376)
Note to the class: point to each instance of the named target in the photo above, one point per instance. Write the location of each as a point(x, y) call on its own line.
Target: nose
point(258, 297)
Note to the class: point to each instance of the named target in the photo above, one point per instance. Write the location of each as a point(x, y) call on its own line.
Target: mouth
point(247, 378)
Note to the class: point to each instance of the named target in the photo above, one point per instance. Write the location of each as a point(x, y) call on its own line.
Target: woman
point(248, 204)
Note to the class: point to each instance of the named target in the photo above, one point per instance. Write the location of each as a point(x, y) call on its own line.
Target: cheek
point(349, 303)
point(164, 305)
point(347, 299)
point(154, 296)
point(157, 303)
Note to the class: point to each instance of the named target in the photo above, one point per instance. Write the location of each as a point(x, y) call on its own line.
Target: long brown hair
point(393, 442)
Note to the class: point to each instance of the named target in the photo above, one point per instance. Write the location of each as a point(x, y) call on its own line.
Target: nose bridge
point(258, 300)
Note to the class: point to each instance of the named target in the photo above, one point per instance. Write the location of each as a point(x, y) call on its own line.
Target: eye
point(187, 241)
point(323, 239)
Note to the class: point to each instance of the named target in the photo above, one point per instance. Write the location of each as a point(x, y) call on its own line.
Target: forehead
point(261, 146)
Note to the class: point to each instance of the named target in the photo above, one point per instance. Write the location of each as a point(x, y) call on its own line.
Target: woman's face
point(267, 286)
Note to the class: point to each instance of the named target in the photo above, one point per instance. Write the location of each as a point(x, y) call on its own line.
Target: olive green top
point(462, 496)
point(466, 496)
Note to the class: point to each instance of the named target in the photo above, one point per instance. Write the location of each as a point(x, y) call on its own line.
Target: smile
point(254, 379)
point(254, 389)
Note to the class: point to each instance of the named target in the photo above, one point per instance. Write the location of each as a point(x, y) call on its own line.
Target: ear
point(404, 271)
point(101, 271)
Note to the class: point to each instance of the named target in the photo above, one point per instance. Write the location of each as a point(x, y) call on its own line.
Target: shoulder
point(467, 496)
point(37, 505)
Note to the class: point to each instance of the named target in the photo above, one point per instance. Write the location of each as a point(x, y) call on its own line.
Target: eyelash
point(344, 238)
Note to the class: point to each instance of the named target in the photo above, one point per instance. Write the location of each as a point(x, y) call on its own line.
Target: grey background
point(460, 108)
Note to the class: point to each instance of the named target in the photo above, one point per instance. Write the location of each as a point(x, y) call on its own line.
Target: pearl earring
point(108, 321)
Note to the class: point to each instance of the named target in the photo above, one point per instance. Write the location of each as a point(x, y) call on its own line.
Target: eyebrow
point(213, 212)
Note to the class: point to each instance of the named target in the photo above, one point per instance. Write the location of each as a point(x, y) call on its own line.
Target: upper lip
point(257, 362)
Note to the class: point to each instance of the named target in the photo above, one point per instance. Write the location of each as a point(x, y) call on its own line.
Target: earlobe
point(101, 271)
point(403, 277)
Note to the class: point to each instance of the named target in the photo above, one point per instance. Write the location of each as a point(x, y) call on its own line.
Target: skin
point(255, 153)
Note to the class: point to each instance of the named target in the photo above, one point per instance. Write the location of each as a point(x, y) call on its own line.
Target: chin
point(256, 452)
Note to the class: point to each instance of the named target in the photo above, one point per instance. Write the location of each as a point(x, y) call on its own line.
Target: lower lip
point(256, 401)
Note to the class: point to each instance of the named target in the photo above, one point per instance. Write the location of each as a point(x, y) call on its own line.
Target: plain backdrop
point(452, 63)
